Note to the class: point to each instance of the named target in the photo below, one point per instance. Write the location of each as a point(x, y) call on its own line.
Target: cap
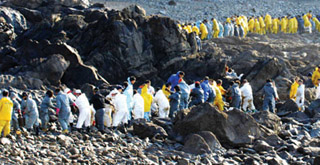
point(119, 87)
point(197, 82)
point(78, 91)
point(67, 90)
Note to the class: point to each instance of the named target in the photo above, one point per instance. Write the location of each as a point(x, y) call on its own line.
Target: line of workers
point(241, 25)
point(125, 103)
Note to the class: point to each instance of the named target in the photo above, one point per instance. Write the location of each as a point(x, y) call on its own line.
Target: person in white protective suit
point(120, 105)
point(68, 92)
point(83, 105)
point(247, 97)
point(300, 95)
point(162, 101)
point(138, 106)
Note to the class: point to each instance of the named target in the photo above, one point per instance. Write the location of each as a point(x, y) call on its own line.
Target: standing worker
point(270, 97)
point(6, 106)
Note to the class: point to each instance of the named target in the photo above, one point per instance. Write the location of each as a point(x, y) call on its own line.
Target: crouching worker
point(6, 106)
point(30, 110)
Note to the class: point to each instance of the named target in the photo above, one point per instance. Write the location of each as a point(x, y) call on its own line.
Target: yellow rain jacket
point(215, 28)
point(307, 23)
point(262, 26)
point(291, 26)
point(315, 77)
point(257, 27)
point(284, 24)
point(196, 30)
point(204, 31)
point(268, 22)
point(6, 106)
point(165, 92)
point(316, 21)
point(293, 90)
point(147, 98)
point(189, 27)
point(251, 25)
point(275, 26)
point(218, 101)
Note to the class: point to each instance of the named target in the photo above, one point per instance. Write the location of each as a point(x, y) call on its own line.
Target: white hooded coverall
point(247, 97)
point(84, 111)
point(138, 106)
point(300, 97)
point(120, 116)
point(164, 106)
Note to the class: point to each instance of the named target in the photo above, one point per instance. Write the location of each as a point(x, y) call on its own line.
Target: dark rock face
point(268, 119)
point(233, 128)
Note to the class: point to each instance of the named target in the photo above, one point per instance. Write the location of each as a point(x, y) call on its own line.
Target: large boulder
point(144, 129)
point(51, 70)
point(233, 128)
point(195, 144)
point(288, 107)
point(268, 119)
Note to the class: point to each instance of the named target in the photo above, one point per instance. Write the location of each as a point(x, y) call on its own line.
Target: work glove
point(57, 111)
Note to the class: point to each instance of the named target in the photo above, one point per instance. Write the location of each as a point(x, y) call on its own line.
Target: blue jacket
point(221, 30)
point(30, 107)
point(174, 80)
point(212, 96)
point(128, 92)
point(16, 107)
point(46, 104)
point(231, 29)
point(206, 89)
point(197, 96)
point(184, 87)
point(226, 30)
point(268, 91)
point(300, 23)
point(174, 101)
point(63, 103)
point(235, 91)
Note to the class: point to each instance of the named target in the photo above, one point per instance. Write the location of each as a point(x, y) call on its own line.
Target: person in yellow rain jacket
point(189, 27)
point(256, 26)
point(180, 27)
point(316, 21)
point(147, 101)
point(166, 90)
point(294, 89)
point(6, 106)
point(216, 29)
point(186, 28)
point(275, 25)
point(291, 26)
point(268, 22)
point(195, 29)
point(262, 25)
point(295, 24)
point(222, 90)
point(307, 23)
point(244, 24)
point(203, 31)
point(218, 101)
point(251, 25)
point(316, 76)
point(284, 24)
